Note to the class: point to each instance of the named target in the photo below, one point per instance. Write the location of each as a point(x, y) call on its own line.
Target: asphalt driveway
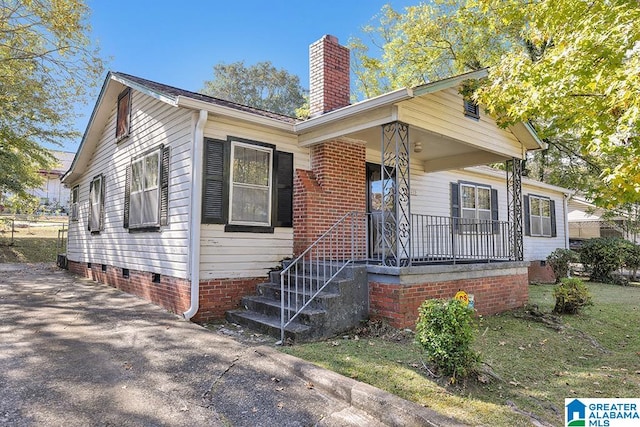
point(78, 353)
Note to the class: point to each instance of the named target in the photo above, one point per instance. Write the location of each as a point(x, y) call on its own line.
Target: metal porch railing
point(311, 272)
point(370, 238)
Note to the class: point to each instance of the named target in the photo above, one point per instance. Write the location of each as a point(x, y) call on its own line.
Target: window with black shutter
point(146, 196)
point(247, 185)
point(474, 208)
point(96, 204)
point(540, 216)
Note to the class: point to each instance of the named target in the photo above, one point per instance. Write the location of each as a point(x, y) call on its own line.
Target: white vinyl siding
point(244, 254)
point(152, 123)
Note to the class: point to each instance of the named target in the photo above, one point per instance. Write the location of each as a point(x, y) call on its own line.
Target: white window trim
point(73, 206)
point(235, 144)
point(467, 228)
point(143, 159)
point(539, 217)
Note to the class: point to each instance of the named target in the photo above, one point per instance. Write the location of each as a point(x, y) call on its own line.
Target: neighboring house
point(587, 221)
point(52, 194)
point(190, 201)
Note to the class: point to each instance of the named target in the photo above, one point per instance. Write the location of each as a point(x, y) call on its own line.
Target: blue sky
point(178, 42)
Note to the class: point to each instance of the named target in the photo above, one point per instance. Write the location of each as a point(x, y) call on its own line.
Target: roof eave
point(186, 102)
point(384, 100)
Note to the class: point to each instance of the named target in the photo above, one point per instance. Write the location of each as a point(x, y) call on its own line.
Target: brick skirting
point(539, 273)
point(398, 302)
point(173, 294)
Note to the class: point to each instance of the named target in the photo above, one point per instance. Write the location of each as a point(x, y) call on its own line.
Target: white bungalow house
point(191, 201)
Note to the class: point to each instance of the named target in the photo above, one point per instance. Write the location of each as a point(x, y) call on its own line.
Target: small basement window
point(156, 278)
point(125, 273)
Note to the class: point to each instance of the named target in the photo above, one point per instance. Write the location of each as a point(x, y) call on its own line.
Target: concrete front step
point(272, 291)
point(269, 307)
point(270, 325)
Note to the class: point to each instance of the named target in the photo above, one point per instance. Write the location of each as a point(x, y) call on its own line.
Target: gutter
point(195, 216)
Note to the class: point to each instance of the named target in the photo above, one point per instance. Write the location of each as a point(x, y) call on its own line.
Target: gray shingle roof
point(175, 92)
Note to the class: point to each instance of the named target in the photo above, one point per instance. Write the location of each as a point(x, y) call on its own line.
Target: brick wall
point(539, 273)
point(220, 295)
point(335, 186)
point(171, 293)
point(398, 303)
point(329, 75)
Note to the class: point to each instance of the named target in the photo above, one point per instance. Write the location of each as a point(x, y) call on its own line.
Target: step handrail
point(318, 265)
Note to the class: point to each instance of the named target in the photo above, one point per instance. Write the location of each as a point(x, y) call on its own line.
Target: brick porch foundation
point(541, 272)
point(171, 293)
point(396, 293)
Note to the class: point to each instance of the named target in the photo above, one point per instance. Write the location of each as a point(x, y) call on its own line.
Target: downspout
point(195, 217)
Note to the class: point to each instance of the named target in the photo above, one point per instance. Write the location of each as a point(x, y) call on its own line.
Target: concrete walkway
point(78, 353)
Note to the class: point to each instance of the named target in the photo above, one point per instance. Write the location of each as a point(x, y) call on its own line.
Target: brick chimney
point(328, 76)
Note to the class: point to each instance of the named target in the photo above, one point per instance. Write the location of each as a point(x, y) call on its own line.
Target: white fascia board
point(92, 119)
point(141, 88)
point(543, 145)
point(531, 182)
point(220, 110)
point(351, 110)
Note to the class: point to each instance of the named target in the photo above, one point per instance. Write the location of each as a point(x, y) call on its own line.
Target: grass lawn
point(30, 244)
point(595, 354)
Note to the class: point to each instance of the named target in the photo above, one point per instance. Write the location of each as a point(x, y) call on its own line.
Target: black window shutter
point(494, 211)
point(527, 218)
point(127, 196)
point(215, 186)
point(455, 204)
point(283, 197)
point(552, 208)
point(164, 187)
point(101, 219)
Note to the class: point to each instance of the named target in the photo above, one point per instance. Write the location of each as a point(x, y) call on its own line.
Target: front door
point(381, 222)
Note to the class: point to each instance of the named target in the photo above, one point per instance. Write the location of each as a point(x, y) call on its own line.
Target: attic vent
point(471, 109)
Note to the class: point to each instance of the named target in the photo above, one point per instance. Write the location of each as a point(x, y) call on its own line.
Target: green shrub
point(632, 258)
point(571, 296)
point(446, 331)
point(603, 256)
point(559, 261)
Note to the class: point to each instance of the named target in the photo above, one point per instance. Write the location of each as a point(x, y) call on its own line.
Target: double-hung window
point(540, 216)
point(250, 184)
point(96, 204)
point(146, 190)
point(145, 184)
point(476, 208)
point(74, 203)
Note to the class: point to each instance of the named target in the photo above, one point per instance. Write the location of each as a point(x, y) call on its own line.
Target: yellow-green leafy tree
point(47, 64)
point(572, 67)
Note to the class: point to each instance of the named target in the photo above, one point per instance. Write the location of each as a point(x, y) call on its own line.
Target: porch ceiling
point(439, 152)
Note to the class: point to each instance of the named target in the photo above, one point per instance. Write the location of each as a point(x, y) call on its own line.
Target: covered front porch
point(371, 198)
